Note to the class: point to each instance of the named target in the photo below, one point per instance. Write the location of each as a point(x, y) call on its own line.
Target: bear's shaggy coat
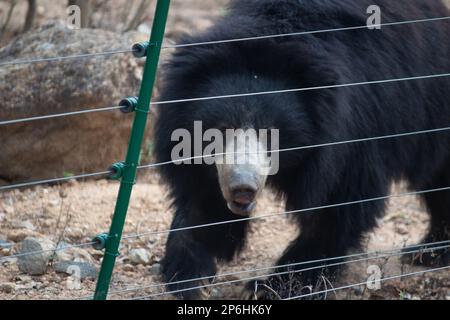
point(319, 176)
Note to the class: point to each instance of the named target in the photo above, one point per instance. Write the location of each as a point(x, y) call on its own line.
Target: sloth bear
point(312, 177)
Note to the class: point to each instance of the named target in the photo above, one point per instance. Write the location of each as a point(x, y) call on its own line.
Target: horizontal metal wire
point(31, 253)
point(58, 115)
point(62, 58)
point(182, 45)
point(365, 283)
point(284, 273)
point(5, 122)
point(370, 256)
point(151, 166)
point(329, 144)
point(108, 53)
point(272, 215)
point(38, 182)
point(335, 86)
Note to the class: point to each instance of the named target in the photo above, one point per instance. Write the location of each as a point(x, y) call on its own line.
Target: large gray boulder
point(71, 145)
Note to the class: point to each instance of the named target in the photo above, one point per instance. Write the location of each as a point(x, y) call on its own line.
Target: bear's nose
point(243, 194)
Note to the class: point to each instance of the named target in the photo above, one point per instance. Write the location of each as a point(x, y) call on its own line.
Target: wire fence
point(285, 213)
point(156, 165)
point(238, 95)
point(303, 33)
point(37, 252)
point(277, 274)
point(292, 34)
point(64, 58)
point(58, 115)
point(364, 283)
point(322, 263)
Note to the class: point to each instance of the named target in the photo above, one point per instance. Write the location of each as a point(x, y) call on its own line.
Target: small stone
point(102, 182)
point(359, 290)
point(35, 263)
point(406, 296)
point(83, 270)
point(75, 232)
point(54, 203)
point(156, 269)
point(68, 253)
point(128, 268)
point(216, 294)
point(7, 287)
point(401, 229)
point(139, 256)
point(5, 244)
point(20, 235)
point(23, 278)
point(17, 224)
point(73, 182)
point(9, 210)
point(26, 286)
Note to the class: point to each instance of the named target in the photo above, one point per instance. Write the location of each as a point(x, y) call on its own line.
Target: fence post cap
point(129, 104)
point(140, 49)
point(99, 242)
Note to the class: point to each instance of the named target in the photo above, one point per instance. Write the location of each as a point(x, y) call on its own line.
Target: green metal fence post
point(129, 167)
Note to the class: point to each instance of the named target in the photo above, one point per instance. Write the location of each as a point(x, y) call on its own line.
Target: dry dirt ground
point(77, 211)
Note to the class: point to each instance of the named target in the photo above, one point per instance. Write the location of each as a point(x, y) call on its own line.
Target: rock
point(68, 145)
point(75, 232)
point(7, 287)
point(406, 296)
point(27, 286)
point(72, 254)
point(128, 268)
point(5, 252)
point(156, 268)
point(139, 256)
point(23, 279)
point(18, 224)
point(54, 203)
point(359, 290)
point(20, 234)
point(401, 229)
point(35, 264)
point(5, 244)
point(82, 269)
point(216, 294)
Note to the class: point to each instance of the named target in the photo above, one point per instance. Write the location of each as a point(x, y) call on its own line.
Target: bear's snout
point(240, 185)
point(243, 199)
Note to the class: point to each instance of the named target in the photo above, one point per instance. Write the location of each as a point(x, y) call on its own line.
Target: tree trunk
point(31, 15)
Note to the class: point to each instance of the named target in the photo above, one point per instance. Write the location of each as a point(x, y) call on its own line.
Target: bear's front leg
point(305, 269)
point(192, 254)
point(310, 265)
point(187, 258)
